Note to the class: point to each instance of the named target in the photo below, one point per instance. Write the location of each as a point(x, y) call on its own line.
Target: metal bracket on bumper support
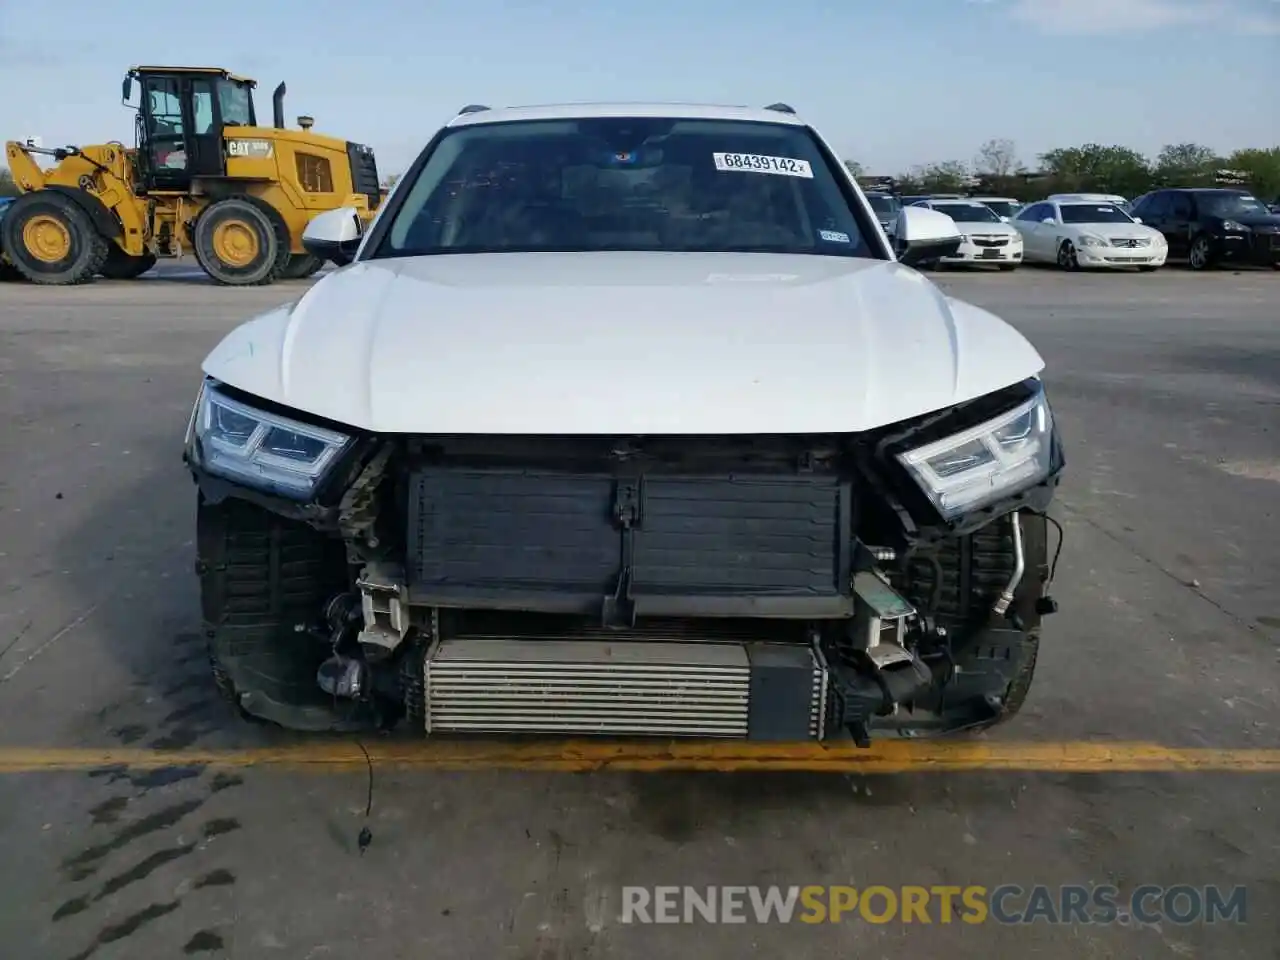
point(384, 602)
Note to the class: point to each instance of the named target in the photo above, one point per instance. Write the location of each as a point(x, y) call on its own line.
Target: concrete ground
point(1168, 391)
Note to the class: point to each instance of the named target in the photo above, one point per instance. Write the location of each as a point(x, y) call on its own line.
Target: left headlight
point(995, 459)
point(261, 449)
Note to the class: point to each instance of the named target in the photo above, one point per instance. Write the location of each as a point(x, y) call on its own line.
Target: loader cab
point(182, 113)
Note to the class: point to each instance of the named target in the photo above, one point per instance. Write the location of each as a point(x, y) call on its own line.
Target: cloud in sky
point(1098, 17)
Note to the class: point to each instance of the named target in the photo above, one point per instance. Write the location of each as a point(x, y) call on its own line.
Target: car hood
point(1256, 220)
point(635, 343)
point(1115, 231)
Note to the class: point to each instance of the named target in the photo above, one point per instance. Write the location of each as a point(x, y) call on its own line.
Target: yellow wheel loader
point(204, 178)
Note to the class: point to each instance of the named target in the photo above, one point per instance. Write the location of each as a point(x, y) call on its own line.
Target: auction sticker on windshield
point(756, 163)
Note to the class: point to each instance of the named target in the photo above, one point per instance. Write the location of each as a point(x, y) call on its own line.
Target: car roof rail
point(781, 108)
point(472, 108)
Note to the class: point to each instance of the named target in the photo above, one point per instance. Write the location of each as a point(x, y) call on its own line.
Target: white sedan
point(1077, 234)
point(985, 237)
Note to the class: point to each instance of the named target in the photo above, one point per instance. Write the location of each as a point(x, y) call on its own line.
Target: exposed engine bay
point(757, 587)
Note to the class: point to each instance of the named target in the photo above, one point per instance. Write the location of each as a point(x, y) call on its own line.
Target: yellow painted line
point(897, 756)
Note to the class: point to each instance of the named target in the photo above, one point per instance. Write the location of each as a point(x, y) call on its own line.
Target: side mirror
point(923, 235)
point(1048, 220)
point(1005, 219)
point(126, 89)
point(334, 236)
point(1137, 219)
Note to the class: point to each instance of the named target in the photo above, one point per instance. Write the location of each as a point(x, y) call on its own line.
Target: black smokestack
point(277, 106)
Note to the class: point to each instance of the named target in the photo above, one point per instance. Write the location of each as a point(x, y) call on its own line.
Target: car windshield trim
point(1093, 213)
point(618, 184)
point(980, 213)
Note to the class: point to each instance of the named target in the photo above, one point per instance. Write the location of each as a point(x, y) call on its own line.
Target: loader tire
point(241, 242)
point(51, 240)
point(122, 266)
point(301, 266)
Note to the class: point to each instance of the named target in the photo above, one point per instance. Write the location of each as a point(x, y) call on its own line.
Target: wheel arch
point(102, 219)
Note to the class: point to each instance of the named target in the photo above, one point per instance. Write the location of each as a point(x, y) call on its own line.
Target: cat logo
point(249, 149)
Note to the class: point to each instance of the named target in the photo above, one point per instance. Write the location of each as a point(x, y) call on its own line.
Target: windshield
point(625, 184)
point(1093, 213)
point(884, 205)
point(235, 102)
point(1003, 208)
point(1227, 205)
point(967, 212)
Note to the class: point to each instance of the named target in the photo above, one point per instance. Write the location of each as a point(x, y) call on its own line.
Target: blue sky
point(891, 82)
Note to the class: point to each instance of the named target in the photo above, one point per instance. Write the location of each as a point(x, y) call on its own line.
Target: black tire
point(56, 216)
point(122, 266)
point(262, 232)
point(1016, 695)
point(301, 266)
point(1195, 260)
point(974, 567)
point(1067, 257)
point(261, 577)
point(9, 273)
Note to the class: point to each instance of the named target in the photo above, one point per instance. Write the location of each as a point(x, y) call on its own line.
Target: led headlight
point(263, 450)
point(980, 465)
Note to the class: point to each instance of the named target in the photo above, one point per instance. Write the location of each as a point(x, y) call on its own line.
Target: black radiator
point(734, 545)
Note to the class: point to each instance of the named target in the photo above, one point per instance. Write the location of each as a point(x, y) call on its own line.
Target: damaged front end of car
point(785, 588)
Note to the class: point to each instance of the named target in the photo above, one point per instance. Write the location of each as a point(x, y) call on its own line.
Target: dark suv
point(1210, 226)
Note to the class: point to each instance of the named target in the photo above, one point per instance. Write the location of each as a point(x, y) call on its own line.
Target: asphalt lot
point(1167, 388)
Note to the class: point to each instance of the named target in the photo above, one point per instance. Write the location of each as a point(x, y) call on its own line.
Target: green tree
point(1261, 167)
point(1186, 165)
point(7, 187)
point(1094, 167)
point(946, 177)
point(998, 159)
point(854, 168)
point(909, 184)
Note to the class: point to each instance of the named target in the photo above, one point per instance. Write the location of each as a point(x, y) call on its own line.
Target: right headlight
point(995, 459)
point(260, 449)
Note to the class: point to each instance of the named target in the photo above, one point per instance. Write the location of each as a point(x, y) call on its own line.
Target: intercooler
point(756, 690)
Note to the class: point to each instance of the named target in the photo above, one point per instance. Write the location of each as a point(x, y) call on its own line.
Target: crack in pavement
point(1134, 550)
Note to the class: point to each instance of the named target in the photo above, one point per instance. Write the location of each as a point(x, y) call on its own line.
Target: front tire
point(51, 240)
point(262, 579)
point(1067, 258)
point(1200, 256)
point(301, 266)
point(241, 241)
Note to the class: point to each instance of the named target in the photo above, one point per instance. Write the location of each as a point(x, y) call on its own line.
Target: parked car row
point(1204, 226)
